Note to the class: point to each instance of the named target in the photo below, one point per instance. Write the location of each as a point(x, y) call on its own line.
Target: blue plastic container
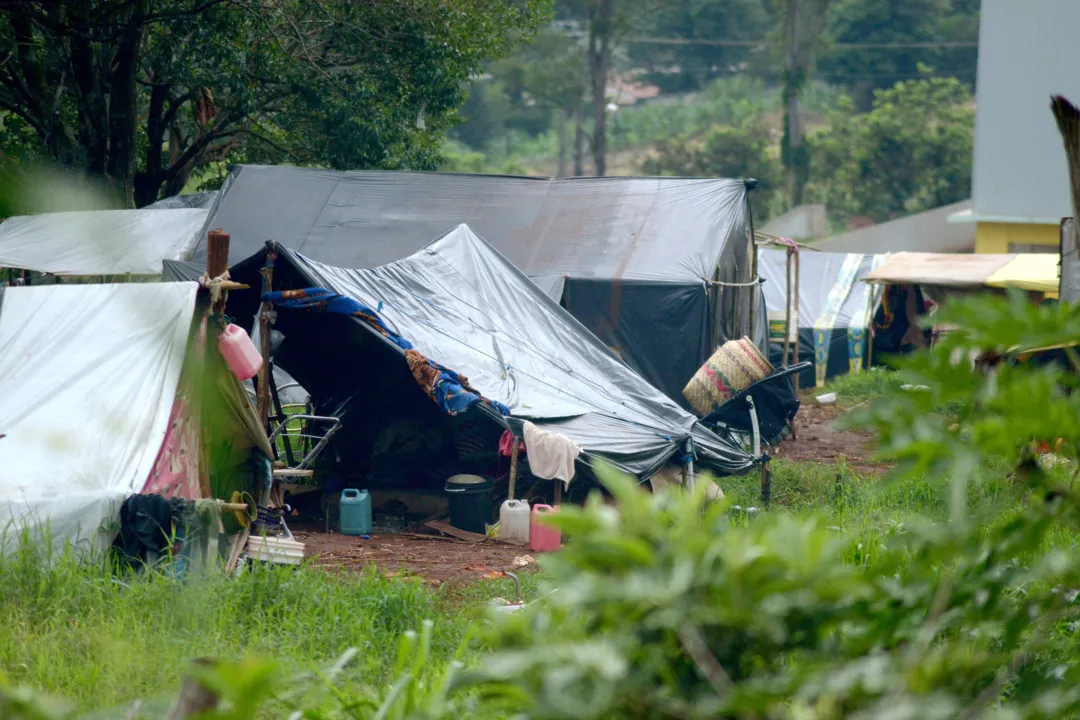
point(355, 512)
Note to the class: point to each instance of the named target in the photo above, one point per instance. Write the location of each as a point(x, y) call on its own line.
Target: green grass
point(856, 388)
point(78, 632)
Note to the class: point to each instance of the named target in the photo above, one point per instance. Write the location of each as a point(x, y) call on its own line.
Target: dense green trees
point(911, 152)
point(148, 95)
point(144, 93)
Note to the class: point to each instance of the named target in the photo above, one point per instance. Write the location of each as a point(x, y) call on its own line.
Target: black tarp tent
point(465, 306)
point(834, 312)
point(638, 261)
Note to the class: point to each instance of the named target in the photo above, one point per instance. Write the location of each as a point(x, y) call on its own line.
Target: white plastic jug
point(514, 522)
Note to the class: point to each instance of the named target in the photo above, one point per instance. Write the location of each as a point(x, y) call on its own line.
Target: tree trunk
point(123, 109)
point(792, 87)
point(600, 31)
point(1068, 122)
point(562, 123)
point(579, 144)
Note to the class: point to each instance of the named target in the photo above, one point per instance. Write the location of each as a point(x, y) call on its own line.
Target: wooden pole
point(796, 318)
point(766, 484)
point(755, 289)
point(263, 391)
point(794, 431)
point(513, 468)
point(217, 263)
point(787, 312)
point(870, 312)
point(1068, 122)
point(558, 492)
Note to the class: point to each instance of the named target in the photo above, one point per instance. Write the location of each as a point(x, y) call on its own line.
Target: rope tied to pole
point(220, 286)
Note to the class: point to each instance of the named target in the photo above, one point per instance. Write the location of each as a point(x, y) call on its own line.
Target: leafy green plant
point(667, 607)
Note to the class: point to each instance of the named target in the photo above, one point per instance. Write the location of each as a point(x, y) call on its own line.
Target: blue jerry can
point(355, 512)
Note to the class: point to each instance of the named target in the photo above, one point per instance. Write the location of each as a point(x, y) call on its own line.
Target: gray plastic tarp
point(102, 242)
point(631, 258)
point(202, 200)
point(465, 306)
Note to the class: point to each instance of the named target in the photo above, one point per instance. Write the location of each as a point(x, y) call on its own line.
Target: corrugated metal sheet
point(928, 231)
point(1027, 51)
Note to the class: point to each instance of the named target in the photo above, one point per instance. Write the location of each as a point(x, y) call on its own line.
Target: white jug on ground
point(514, 522)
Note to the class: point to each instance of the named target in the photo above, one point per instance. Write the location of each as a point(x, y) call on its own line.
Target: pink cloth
point(176, 469)
point(506, 444)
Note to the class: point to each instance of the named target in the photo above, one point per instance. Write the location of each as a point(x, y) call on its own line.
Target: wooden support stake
point(239, 543)
point(787, 312)
point(558, 492)
point(755, 289)
point(766, 484)
point(513, 468)
point(263, 392)
point(796, 318)
point(195, 698)
point(217, 261)
point(217, 264)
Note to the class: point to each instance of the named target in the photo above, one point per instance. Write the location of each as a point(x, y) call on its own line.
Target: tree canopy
point(911, 152)
point(143, 94)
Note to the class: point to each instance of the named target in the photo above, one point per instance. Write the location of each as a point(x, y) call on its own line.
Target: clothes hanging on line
point(506, 444)
point(551, 455)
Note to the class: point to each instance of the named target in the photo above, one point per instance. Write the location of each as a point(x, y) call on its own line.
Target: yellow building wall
point(995, 238)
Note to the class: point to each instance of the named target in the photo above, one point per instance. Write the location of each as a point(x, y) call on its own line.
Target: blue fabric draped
point(449, 390)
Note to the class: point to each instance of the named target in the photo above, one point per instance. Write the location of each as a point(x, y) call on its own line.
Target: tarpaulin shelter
point(106, 391)
point(637, 260)
point(100, 242)
point(453, 333)
point(834, 310)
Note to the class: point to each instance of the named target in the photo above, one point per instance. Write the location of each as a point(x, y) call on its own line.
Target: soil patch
point(818, 439)
point(437, 560)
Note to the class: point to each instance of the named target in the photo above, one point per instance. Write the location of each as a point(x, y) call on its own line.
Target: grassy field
point(80, 633)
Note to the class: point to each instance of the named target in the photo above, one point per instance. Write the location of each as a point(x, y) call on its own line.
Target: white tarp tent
point(88, 377)
point(101, 242)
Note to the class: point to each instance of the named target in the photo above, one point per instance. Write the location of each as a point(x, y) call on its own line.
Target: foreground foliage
point(672, 607)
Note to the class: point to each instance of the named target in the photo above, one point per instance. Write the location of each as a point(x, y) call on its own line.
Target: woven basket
point(735, 366)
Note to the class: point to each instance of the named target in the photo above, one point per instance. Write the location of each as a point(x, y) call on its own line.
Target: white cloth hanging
point(551, 455)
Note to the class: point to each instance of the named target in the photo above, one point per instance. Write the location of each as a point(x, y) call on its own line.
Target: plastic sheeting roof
point(654, 229)
point(102, 242)
point(465, 306)
point(88, 376)
point(1036, 272)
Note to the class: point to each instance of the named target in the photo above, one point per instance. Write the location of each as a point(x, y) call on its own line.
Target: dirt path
point(817, 439)
point(437, 560)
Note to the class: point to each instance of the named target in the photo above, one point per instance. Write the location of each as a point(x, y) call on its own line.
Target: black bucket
point(470, 502)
